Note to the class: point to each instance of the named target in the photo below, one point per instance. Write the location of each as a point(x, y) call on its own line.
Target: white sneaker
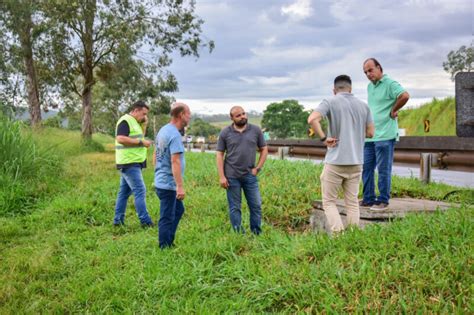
point(380, 206)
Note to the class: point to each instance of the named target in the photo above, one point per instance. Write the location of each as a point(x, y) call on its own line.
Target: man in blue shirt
point(169, 171)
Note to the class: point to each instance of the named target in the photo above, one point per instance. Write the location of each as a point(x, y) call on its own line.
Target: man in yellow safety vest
point(130, 157)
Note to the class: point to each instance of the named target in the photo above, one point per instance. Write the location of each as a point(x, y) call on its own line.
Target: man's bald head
point(234, 109)
point(178, 108)
point(238, 116)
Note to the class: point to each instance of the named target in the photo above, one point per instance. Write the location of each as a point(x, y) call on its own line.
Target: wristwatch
point(140, 142)
point(323, 139)
point(258, 169)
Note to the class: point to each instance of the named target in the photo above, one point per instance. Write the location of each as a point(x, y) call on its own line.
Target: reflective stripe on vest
point(134, 153)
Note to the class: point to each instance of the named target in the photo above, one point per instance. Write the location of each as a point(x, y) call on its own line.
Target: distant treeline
point(225, 117)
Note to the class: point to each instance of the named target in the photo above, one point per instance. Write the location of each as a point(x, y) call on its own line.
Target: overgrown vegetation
point(66, 257)
point(25, 169)
point(440, 113)
point(32, 162)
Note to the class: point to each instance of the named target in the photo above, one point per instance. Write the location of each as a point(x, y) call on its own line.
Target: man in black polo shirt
point(239, 142)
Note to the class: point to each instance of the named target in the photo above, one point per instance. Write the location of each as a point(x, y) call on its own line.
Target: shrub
point(54, 122)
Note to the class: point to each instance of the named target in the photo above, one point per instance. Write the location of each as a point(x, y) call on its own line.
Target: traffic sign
point(427, 125)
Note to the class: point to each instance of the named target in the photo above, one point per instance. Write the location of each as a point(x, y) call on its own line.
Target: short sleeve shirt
point(381, 97)
point(348, 119)
point(240, 149)
point(123, 129)
point(168, 142)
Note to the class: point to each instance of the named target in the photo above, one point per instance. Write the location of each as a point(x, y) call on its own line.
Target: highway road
point(454, 178)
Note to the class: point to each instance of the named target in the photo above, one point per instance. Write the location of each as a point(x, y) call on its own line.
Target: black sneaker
point(362, 203)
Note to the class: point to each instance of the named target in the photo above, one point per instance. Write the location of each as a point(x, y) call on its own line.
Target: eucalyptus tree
point(460, 60)
point(89, 36)
point(121, 83)
point(21, 24)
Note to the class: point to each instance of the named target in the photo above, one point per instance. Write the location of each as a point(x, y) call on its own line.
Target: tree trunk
point(31, 79)
point(87, 113)
point(88, 70)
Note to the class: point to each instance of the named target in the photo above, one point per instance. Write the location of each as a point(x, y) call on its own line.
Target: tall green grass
point(440, 113)
point(68, 258)
point(25, 169)
point(32, 162)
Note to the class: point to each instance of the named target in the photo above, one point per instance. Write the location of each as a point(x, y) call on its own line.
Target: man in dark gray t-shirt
point(350, 122)
point(239, 143)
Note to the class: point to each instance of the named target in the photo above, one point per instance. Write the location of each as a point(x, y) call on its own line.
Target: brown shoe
point(380, 206)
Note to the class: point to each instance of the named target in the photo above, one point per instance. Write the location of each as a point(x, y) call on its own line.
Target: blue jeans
point(378, 154)
point(131, 181)
point(249, 184)
point(171, 211)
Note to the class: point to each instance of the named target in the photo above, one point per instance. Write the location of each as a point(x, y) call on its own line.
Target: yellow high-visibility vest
point(130, 154)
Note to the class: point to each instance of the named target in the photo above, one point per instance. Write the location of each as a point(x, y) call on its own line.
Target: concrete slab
point(398, 208)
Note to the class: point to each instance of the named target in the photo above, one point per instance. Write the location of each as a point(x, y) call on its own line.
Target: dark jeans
point(171, 211)
point(378, 154)
point(249, 184)
point(131, 181)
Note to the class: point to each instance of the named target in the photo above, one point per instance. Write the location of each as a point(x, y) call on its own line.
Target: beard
point(241, 123)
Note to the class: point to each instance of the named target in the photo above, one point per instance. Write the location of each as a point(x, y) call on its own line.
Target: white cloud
point(263, 18)
point(299, 10)
point(267, 81)
point(266, 53)
point(447, 6)
point(292, 54)
point(353, 11)
point(223, 105)
point(428, 81)
point(408, 12)
point(269, 41)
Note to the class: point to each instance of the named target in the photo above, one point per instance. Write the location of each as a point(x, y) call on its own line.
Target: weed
point(68, 258)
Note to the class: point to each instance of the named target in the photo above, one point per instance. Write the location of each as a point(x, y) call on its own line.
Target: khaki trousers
point(333, 178)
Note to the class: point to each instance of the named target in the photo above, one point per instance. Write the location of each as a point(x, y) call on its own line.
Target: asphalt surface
point(454, 178)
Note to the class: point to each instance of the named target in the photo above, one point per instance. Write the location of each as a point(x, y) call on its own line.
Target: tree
point(122, 83)
point(21, 25)
point(460, 60)
point(91, 35)
point(201, 128)
point(287, 119)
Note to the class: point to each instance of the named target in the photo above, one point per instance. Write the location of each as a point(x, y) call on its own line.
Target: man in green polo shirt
point(385, 97)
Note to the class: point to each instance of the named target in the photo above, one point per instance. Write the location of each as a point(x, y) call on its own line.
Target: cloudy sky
point(267, 51)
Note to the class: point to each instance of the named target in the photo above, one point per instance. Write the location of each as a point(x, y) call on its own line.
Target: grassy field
point(65, 256)
point(440, 113)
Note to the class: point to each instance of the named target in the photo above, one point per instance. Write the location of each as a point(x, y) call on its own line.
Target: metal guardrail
point(406, 143)
point(445, 152)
